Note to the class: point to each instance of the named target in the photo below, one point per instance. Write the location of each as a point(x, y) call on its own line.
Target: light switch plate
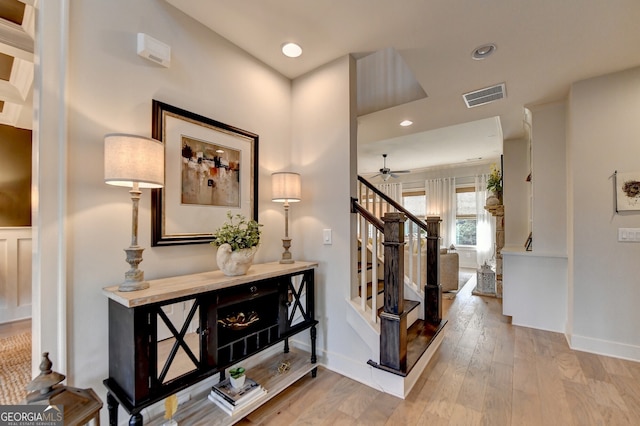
point(326, 236)
point(629, 235)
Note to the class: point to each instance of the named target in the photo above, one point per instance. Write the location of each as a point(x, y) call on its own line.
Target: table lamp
point(285, 188)
point(134, 162)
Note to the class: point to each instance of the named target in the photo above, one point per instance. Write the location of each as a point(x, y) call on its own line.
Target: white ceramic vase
point(494, 199)
point(237, 383)
point(235, 262)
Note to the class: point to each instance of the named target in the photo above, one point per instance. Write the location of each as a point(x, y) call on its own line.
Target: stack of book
point(230, 399)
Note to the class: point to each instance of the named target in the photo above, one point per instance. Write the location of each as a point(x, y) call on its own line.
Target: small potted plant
point(494, 186)
point(237, 241)
point(237, 377)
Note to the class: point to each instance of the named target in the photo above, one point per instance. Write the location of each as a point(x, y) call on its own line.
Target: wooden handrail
point(357, 208)
point(394, 204)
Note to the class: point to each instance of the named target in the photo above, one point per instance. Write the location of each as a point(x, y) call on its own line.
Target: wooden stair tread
point(369, 266)
point(409, 305)
point(380, 288)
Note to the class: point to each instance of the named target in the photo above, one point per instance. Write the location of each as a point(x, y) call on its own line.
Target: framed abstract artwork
point(210, 169)
point(627, 191)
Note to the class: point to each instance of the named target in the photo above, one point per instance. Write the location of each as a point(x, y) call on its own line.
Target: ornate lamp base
point(286, 255)
point(134, 277)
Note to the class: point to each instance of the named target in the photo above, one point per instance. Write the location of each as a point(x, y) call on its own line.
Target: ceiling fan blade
point(376, 175)
point(400, 171)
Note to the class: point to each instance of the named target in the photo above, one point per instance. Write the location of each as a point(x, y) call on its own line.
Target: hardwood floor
point(487, 372)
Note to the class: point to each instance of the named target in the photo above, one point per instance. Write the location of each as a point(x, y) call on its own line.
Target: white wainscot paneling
point(15, 274)
point(535, 289)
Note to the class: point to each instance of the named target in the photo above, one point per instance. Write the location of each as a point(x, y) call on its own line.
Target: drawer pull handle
point(253, 289)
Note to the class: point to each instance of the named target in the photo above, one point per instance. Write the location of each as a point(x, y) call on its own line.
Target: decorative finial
point(45, 364)
point(47, 378)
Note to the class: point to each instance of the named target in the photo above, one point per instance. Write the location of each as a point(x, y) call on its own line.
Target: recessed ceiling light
point(219, 151)
point(406, 123)
point(483, 52)
point(291, 50)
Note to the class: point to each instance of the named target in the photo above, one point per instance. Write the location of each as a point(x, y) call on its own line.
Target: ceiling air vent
point(484, 96)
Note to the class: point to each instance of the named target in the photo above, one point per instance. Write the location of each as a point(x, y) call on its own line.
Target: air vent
point(484, 96)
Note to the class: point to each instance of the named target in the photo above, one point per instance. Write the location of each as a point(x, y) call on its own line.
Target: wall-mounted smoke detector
point(154, 50)
point(485, 96)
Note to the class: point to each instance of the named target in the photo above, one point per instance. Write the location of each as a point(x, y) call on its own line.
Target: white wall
point(535, 289)
point(110, 90)
point(323, 151)
point(603, 137)
point(516, 191)
point(465, 173)
point(549, 179)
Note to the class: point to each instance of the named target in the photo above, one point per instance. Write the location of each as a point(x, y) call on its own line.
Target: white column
point(49, 192)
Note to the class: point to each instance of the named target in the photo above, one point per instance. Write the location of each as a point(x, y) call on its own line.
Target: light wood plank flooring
point(487, 372)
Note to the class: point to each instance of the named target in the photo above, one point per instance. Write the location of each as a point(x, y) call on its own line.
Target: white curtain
point(485, 225)
point(441, 201)
point(393, 190)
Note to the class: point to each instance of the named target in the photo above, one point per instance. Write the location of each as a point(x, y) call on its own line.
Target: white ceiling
point(467, 142)
point(17, 41)
point(542, 47)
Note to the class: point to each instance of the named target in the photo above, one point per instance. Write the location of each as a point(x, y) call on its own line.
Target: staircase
point(367, 275)
point(399, 316)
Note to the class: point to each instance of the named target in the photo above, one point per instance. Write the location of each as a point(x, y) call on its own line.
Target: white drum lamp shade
point(130, 158)
point(285, 187)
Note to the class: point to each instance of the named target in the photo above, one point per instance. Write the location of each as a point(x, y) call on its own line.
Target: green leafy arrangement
point(238, 232)
point(494, 181)
point(236, 372)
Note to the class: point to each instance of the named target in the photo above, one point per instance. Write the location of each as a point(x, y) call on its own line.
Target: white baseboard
point(604, 347)
point(539, 323)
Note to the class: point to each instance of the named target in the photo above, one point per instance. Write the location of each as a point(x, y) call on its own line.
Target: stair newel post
point(393, 322)
point(432, 288)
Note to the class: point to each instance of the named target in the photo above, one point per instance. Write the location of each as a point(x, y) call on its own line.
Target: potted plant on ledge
point(494, 186)
point(237, 241)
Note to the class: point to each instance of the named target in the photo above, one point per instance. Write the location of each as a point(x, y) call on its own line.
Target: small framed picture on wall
point(627, 191)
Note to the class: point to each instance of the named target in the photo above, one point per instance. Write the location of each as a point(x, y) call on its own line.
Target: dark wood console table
point(234, 318)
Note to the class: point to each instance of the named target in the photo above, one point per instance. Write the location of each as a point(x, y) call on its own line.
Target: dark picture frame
point(177, 219)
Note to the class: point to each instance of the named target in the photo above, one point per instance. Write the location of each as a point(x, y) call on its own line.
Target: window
point(415, 202)
point(466, 216)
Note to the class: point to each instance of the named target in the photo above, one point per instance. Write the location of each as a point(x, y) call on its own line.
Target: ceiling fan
point(386, 172)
